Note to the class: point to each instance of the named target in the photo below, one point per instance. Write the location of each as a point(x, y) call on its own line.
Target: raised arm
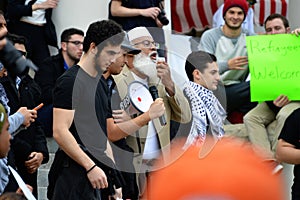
point(117, 131)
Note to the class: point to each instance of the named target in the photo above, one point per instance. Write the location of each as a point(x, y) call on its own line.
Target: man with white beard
point(153, 140)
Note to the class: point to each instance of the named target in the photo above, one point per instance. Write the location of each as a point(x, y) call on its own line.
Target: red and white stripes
point(198, 14)
point(264, 8)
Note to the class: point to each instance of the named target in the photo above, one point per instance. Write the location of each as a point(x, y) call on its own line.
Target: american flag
point(198, 14)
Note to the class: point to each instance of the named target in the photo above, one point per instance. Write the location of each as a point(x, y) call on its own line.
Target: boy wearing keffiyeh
point(208, 114)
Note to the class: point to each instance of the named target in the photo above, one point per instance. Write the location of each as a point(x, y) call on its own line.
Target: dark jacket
point(33, 138)
point(46, 76)
point(16, 9)
point(29, 140)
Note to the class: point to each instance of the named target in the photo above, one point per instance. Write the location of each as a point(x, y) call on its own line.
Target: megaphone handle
point(162, 120)
point(154, 94)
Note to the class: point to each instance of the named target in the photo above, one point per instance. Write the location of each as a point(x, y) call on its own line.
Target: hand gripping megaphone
point(139, 99)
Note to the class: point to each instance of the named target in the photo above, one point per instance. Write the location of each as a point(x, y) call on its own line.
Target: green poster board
point(274, 63)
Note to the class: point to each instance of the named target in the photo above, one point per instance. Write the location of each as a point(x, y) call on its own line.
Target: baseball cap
point(127, 46)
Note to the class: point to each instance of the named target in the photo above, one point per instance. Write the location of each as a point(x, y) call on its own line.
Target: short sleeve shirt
point(76, 90)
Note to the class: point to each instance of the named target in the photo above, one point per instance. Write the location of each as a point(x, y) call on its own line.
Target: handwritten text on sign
point(274, 63)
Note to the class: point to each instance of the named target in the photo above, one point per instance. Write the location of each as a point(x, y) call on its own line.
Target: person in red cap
point(235, 3)
point(228, 44)
point(248, 22)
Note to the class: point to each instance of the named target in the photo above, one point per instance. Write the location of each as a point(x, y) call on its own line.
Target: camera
point(13, 60)
point(162, 15)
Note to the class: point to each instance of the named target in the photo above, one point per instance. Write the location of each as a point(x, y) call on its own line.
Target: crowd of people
point(123, 126)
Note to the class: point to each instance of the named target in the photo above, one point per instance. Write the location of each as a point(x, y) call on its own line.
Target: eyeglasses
point(76, 43)
point(24, 53)
point(148, 44)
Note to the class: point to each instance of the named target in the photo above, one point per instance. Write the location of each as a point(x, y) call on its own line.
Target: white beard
point(146, 66)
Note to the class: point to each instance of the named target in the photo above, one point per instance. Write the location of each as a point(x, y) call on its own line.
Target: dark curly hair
point(103, 33)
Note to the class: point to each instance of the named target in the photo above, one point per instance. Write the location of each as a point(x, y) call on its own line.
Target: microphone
point(154, 93)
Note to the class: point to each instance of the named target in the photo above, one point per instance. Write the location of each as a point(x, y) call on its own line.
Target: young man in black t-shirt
point(82, 120)
point(288, 148)
point(122, 153)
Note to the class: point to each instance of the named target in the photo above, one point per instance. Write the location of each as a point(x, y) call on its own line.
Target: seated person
point(247, 24)
point(52, 68)
point(228, 43)
point(257, 120)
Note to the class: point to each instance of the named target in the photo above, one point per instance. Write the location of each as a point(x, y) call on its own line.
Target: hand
point(29, 115)
point(150, 12)
point(45, 5)
point(164, 73)
point(97, 178)
point(158, 23)
point(237, 63)
point(34, 161)
point(157, 108)
point(296, 32)
point(19, 191)
point(120, 116)
point(281, 101)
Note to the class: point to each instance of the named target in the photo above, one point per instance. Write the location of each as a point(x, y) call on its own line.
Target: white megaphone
point(137, 100)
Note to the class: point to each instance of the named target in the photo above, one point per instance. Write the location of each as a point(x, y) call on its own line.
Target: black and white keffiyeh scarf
point(205, 106)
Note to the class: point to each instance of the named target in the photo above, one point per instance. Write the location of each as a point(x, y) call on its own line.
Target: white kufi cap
point(138, 32)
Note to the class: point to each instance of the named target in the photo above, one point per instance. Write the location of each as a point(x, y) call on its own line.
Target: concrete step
point(52, 145)
point(44, 170)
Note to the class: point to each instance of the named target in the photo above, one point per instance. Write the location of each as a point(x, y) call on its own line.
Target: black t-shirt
point(129, 23)
point(291, 134)
point(76, 90)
